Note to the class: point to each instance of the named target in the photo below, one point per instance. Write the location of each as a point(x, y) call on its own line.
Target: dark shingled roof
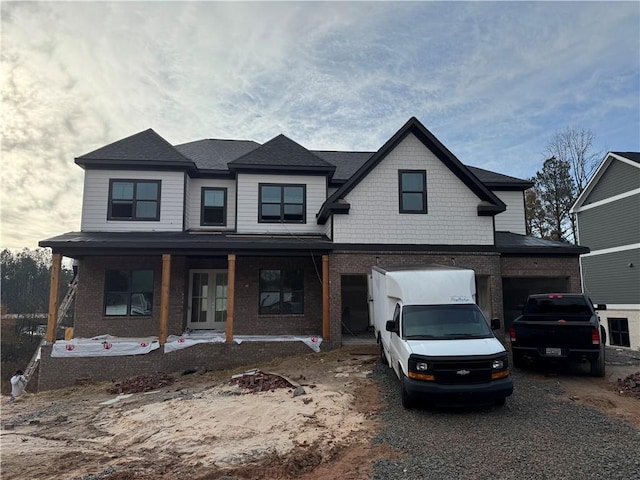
point(147, 148)
point(633, 156)
point(281, 152)
point(507, 242)
point(212, 154)
point(77, 244)
point(498, 181)
point(74, 244)
point(347, 163)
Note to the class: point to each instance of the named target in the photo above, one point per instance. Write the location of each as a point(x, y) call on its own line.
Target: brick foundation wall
point(64, 372)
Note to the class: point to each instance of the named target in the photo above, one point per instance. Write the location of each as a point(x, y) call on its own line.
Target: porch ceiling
point(77, 244)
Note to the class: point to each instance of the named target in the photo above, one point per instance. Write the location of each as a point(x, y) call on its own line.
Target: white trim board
point(604, 251)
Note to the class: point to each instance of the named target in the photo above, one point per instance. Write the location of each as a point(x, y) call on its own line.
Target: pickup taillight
point(512, 334)
point(595, 336)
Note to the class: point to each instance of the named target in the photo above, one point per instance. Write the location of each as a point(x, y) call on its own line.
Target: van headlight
point(499, 369)
point(422, 366)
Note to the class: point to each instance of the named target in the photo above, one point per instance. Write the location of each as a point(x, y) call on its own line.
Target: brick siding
point(544, 266)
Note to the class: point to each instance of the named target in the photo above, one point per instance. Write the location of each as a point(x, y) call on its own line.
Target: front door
point(207, 300)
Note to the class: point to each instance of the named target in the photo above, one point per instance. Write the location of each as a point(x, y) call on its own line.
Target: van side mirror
point(495, 324)
point(391, 326)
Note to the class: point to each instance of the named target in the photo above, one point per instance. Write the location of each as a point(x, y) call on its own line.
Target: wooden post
point(231, 288)
point(164, 298)
point(326, 331)
point(52, 322)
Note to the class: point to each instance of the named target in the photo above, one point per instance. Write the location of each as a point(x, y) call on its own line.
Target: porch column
point(52, 322)
point(164, 298)
point(231, 289)
point(325, 299)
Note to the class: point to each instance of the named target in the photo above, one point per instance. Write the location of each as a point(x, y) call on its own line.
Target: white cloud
point(492, 80)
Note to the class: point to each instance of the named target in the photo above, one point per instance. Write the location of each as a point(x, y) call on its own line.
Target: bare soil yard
point(208, 426)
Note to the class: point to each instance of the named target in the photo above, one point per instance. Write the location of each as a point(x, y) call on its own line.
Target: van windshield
point(426, 322)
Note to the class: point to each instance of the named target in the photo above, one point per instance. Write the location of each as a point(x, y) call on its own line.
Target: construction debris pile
point(254, 381)
point(630, 385)
point(142, 383)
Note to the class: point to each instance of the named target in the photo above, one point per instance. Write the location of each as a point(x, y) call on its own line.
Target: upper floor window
point(281, 292)
point(282, 203)
point(134, 200)
point(413, 191)
point(128, 292)
point(213, 206)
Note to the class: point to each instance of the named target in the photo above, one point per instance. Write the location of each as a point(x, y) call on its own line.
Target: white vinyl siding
point(95, 201)
point(512, 219)
point(194, 202)
point(374, 216)
point(247, 211)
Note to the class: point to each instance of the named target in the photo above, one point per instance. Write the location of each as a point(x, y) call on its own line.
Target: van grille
point(454, 373)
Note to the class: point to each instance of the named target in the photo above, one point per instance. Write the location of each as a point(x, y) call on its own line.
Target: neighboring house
point(608, 218)
point(259, 243)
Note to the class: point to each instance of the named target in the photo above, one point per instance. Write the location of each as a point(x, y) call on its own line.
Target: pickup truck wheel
point(407, 399)
point(518, 360)
point(597, 365)
point(383, 357)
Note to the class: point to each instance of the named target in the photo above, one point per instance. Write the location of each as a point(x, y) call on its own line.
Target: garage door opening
point(516, 290)
point(355, 304)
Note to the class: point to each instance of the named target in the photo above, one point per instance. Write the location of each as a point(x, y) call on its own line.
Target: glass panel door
point(207, 309)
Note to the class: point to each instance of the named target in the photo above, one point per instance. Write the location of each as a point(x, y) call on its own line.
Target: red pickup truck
point(559, 326)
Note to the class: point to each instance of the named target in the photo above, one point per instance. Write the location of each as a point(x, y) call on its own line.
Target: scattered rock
point(299, 391)
point(630, 385)
point(254, 381)
point(307, 400)
point(142, 383)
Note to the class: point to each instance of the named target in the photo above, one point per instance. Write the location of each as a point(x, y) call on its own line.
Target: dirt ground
point(206, 426)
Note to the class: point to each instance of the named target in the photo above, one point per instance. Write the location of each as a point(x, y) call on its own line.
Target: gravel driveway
point(536, 435)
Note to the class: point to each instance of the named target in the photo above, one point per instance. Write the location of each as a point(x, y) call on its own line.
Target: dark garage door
point(515, 291)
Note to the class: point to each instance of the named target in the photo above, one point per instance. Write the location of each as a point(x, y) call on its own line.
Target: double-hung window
point(213, 206)
point(128, 292)
point(282, 203)
point(281, 292)
point(413, 191)
point(134, 200)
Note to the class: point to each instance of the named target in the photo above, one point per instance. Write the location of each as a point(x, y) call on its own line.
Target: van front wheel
point(407, 399)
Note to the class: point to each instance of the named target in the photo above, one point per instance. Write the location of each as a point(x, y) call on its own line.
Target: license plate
point(553, 352)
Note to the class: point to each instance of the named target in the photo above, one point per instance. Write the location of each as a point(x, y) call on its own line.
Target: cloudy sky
point(493, 81)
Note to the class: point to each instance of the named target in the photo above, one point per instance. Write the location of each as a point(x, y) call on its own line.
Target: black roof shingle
point(146, 147)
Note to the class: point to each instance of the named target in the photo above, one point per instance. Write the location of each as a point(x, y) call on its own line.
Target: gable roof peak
point(281, 153)
point(144, 148)
point(492, 204)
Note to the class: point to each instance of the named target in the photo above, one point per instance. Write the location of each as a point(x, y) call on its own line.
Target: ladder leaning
point(62, 311)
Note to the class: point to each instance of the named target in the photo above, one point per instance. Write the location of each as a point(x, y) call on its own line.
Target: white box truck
point(435, 337)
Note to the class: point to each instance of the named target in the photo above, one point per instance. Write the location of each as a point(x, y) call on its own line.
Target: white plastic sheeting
point(104, 346)
point(211, 336)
